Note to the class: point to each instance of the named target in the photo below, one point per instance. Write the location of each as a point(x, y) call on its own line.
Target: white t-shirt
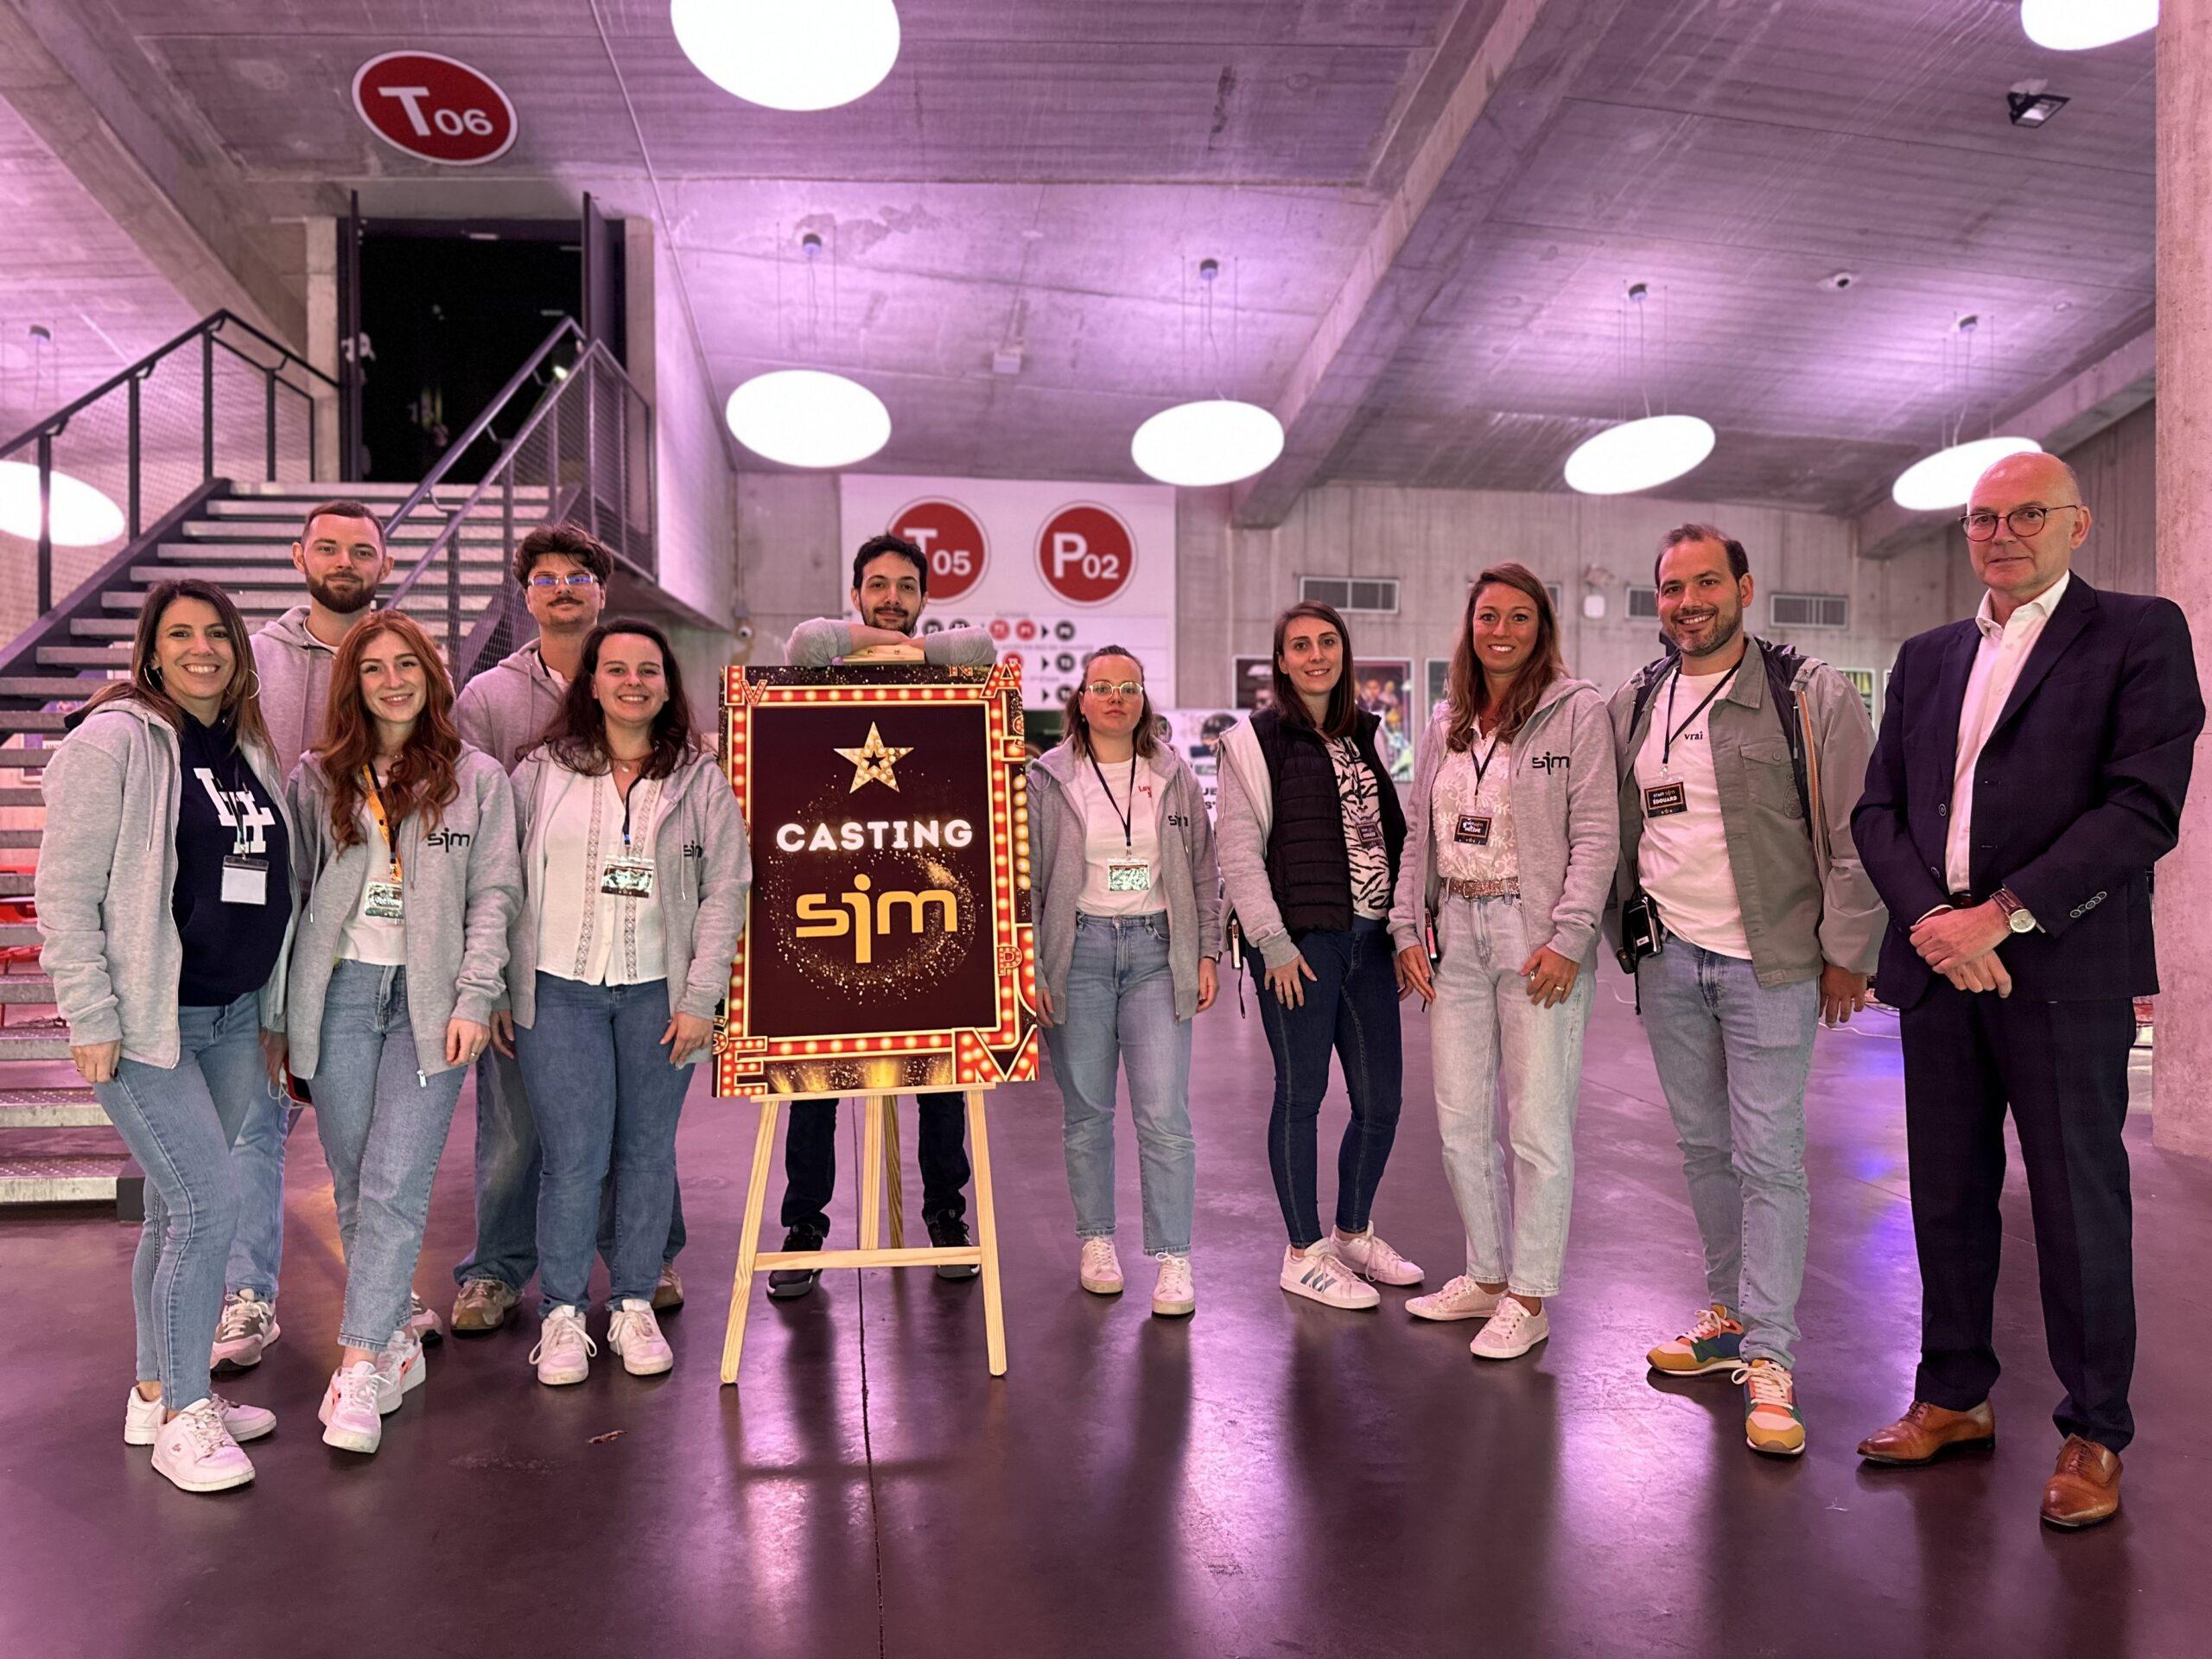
point(1683, 856)
point(368, 938)
point(1104, 840)
point(584, 932)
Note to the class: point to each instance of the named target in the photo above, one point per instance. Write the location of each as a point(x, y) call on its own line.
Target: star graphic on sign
point(872, 760)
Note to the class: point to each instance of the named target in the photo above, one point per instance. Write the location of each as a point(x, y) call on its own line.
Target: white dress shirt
point(584, 932)
point(1997, 662)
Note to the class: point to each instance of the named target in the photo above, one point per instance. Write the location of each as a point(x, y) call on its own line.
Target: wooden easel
point(880, 1181)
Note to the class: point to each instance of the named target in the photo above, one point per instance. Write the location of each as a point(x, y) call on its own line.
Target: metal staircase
point(577, 444)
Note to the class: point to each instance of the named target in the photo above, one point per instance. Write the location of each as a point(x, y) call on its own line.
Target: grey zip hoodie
point(822, 641)
point(461, 885)
point(105, 874)
point(1187, 875)
point(505, 709)
point(294, 670)
point(1565, 823)
point(704, 869)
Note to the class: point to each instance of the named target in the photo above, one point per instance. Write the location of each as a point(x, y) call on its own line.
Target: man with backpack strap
point(1745, 914)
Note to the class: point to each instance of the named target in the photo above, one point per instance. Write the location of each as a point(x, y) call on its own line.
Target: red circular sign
point(1086, 554)
point(435, 108)
point(953, 538)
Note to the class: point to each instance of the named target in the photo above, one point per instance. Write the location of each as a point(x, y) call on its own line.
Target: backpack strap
point(1783, 665)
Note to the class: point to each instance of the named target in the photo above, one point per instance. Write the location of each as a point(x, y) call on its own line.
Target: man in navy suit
point(2030, 771)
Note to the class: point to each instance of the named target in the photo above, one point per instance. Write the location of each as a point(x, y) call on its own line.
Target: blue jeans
point(1733, 1057)
point(1351, 1007)
point(258, 1175)
point(607, 1100)
point(1482, 1023)
point(1121, 1011)
point(507, 1170)
point(179, 1123)
point(383, 1125)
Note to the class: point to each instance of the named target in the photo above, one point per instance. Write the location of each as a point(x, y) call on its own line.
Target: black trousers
point(2062, 1069)
point(811, 1159)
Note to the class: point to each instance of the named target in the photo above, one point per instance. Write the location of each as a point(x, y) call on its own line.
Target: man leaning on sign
point(891, 585)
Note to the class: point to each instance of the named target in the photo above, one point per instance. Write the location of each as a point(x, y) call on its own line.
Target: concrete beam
point(70, 69)
point(1528, 54)
point(2105, 390)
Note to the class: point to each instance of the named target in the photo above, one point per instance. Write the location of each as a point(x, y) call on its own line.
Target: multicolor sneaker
point(247, 1330)
point(1714, 1341)
point(1318, 1276)
point(1771, 1423)
point(399, 1370)
point(350, 1414)
point(482, 1307)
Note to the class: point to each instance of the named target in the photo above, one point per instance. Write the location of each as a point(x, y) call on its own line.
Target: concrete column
point(322, 337)
point(2182, 1114)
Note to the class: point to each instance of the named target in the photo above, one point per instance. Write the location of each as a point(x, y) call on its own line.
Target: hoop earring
point(253, 687)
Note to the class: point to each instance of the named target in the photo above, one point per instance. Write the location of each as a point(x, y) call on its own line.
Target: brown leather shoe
point(2085, 1487)
point(1927, 1432)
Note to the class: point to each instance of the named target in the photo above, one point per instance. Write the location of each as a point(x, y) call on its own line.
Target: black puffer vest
point(1308, 866)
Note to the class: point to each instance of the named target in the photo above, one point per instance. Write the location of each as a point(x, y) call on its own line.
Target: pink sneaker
point(350, 1418)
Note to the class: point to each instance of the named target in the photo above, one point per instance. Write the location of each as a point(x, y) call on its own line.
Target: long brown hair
point(1470, 688)
point(241, 697)
point(422, 777)
point(1077, 732)
point(1341, 718)
point(577, 737)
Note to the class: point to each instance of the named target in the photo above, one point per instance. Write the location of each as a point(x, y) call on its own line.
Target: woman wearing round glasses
point(1128, 911)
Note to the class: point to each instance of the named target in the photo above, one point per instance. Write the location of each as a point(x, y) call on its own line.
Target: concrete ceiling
point(1050, 174)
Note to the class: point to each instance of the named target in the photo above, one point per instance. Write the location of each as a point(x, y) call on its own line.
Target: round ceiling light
point(1637, 454)
point(1945, 479)
point(786, 56)
point(2079, 25)
point(808, 418)
point(1213, 441)
point(80, 515)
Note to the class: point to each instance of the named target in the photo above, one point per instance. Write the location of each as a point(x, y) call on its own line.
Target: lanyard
point(1482, 763)
point(376, 812)
point(635, 783)
point(1666, 748)
point(1126, 815)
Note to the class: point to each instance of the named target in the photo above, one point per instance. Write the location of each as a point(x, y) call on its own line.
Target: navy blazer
point(2077, 793)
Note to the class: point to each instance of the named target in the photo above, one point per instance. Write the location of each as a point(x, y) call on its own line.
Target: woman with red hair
point(407, 854)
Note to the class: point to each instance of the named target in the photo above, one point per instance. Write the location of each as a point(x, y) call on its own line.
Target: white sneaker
point(400, 1371)
point(1320, 1277)
point(196, 1454)
point(1101, 1272)
point(350, 1413)
point(1174, 1295)
point(634, 1333)
point(423, 1322)
point(1511, 1332)
point(1460, 1298)
point(564, 1348)
point(142, 1419)
point(247, 1330)
point(1370, 1255)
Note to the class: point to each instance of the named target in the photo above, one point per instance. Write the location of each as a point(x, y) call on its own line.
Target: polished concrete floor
point(1269, 1478)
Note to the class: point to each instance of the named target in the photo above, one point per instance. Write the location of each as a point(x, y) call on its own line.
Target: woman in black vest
point(1308, 833)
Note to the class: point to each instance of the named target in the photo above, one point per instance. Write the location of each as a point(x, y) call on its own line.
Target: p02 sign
point(1086, 554)
point(953, 539)
point(435, 108)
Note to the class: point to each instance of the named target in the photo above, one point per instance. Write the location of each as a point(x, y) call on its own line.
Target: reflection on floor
point(1270, 1478)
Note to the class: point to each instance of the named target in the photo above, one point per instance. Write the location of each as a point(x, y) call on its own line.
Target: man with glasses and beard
point(341, 555)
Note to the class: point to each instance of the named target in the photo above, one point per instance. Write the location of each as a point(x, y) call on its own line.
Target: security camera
point(1839, 280)
point(744, 632)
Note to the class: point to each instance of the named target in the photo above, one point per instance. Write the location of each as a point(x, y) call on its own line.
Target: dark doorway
point(451, 310)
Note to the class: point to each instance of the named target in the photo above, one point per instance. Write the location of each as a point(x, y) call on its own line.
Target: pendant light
point(1208, 440)
point(2080, 25)
point(790, 54)
point(77, 515)
point(1945, 479)
point(1646, 452)
point(808, 418)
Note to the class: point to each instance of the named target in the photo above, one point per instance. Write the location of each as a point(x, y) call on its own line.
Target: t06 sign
point(435, 108)
point(888, 947)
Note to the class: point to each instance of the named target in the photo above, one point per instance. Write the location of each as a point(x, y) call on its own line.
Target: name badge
point(1129, 875)
point(246, 880)
point(1663, 800)
point(1472, 830)
point(381, 901)
point(627, 879)
point(1370, 832)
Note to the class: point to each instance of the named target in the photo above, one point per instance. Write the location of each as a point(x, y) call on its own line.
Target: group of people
point(438, 872)
point(299, 864)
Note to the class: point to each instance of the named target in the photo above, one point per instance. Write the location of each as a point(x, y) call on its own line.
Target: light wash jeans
point(1121, 1011)
point(384, 1124)
point(179, 1123)
point(1732, 1057)
point(606, 1102)
point(1482, 1025)
point(258, 1175)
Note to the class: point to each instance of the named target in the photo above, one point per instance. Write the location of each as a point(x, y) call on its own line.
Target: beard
point(342, 601)
point(1724, 629)
point(898, 621)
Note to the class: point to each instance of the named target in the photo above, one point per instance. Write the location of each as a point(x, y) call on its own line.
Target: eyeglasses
point(577, 578)
point(2021, 521)
point(1116, 688)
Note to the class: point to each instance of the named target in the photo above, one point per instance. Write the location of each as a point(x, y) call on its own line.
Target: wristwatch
point(2016, 914)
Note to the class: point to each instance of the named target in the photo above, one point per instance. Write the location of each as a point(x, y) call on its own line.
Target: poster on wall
point(1385, 688)
point(1052, 570)
point(1439, 683)
point(1255, 683)
point(1196, 735)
